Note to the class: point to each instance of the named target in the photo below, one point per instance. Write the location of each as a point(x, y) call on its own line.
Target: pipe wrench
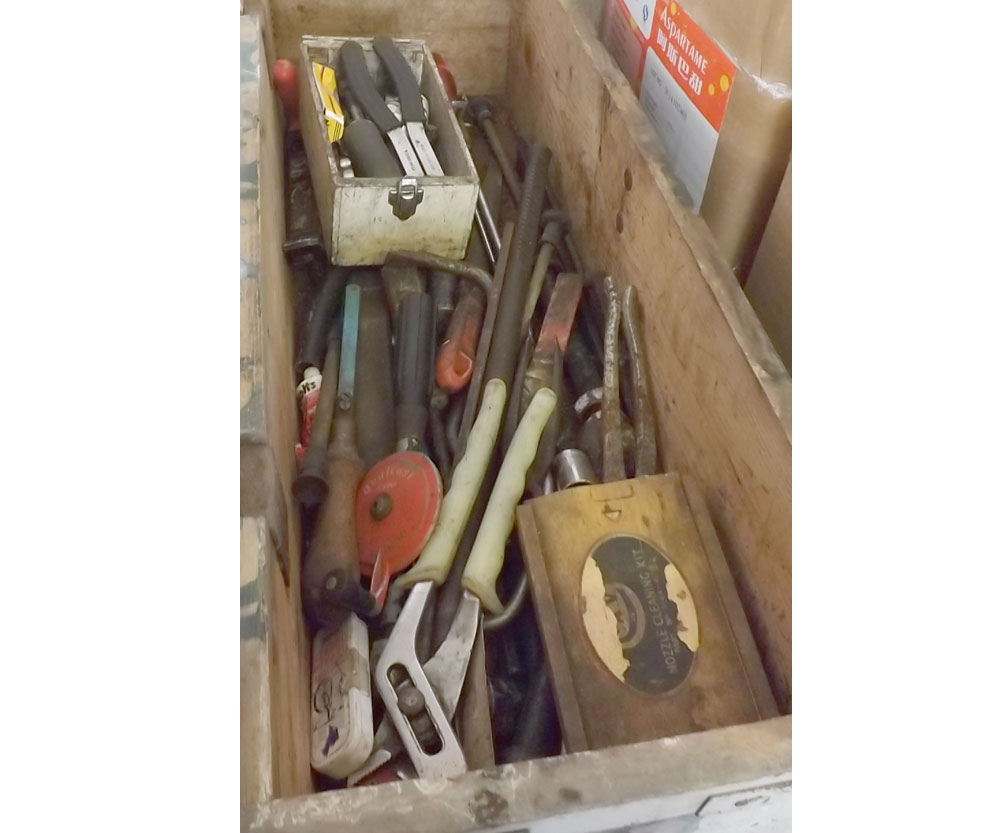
point(420, 700)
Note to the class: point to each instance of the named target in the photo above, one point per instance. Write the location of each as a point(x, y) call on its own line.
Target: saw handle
point(466, 480)
point(486, 558)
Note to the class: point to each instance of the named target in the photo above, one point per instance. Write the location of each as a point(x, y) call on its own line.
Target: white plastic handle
point(439, 552)
point(486, 558)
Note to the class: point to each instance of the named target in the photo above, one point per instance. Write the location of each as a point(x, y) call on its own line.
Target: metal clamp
point(405, 196)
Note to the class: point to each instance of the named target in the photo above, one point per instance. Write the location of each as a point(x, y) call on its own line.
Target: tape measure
point(397, 507)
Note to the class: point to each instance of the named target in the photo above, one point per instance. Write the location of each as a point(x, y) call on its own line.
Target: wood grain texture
point(268, 416)
point(722, 395)
point(678, 780)
point(471, 36)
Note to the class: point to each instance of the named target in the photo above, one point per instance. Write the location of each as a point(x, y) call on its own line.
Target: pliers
point(406, 134)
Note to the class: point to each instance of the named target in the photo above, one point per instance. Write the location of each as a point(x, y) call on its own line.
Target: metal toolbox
point(723, 420)
point(363, 218)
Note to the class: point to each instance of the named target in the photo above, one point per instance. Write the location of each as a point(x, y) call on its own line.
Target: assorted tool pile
point(436, 395)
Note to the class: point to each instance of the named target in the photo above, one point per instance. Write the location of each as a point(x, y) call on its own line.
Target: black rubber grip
point(414, 346)
point(362, 85)
point(368, 153)
point(505, 344)
point(317, 330)
point(403, 79)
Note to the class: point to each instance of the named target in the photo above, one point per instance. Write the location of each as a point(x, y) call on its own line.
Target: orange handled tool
point(287, 87)
point(457, 355)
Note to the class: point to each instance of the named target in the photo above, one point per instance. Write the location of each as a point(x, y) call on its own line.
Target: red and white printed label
point(685, 87)
point(695, 61)
point(642, 13)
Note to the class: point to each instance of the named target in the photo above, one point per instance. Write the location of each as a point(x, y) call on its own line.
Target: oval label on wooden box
point(639, 614)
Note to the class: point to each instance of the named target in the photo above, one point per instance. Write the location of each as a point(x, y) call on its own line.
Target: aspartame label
point(685, 85)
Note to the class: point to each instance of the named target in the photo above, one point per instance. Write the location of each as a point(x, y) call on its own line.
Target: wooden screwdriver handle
point(331, 576)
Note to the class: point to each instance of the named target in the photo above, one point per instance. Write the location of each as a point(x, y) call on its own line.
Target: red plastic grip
point(287, 87)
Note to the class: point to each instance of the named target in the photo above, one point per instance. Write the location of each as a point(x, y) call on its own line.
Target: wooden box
point(361, 217)
point(723, 419)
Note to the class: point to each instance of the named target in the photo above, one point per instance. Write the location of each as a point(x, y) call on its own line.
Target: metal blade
point(422, 145)
point(404, 150)
point(349, 340)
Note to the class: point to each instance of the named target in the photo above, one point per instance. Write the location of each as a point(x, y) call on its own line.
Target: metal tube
point(612, 450)
point(511, 609)
point(642, 406)
point(444, 264)
point(485, 339)
point(503, 351)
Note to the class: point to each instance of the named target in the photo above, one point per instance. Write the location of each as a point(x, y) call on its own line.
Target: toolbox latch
point(405, 197)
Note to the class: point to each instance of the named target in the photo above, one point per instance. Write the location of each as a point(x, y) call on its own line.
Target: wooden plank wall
point(471, 35)
point(722, 394)
point(268, 426)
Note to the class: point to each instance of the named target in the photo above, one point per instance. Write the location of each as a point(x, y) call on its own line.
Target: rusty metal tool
point(355, 71)
point(479, 109)
point(485, 337)
point(410, 105)
point(550, 239)
point(612, 449)
point(331, 577)
point(642, 399)
point(554, 335)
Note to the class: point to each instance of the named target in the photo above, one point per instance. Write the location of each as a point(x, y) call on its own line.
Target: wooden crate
point(724, 419)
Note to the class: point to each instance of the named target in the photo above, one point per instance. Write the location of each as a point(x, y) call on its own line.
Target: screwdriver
point(331, 577)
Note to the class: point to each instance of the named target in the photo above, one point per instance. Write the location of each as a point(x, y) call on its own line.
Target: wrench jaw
point(445, 671)
point(400, 657)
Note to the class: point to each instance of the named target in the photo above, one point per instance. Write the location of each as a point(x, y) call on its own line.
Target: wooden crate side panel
point(689, 783)
point(470, 35)
point(722, 395)
point(268, 419)
point(256, 782)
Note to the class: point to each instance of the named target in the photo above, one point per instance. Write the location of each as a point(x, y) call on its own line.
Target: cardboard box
point(715, 79)
point(769, 286)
